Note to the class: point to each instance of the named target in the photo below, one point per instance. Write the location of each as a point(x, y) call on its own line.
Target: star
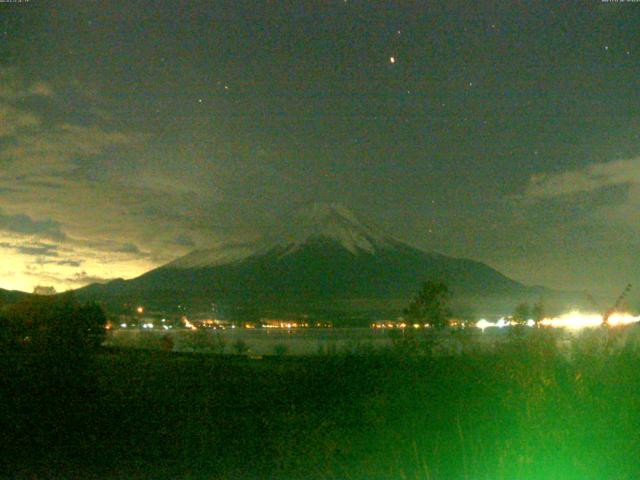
point(199, 100)
point(392, 59)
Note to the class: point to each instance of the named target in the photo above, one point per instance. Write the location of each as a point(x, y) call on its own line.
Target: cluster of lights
point(188, 324)
point(214, 324)
point(290, 324)
point(501, 323)
point(401, 325)
point(285, 325)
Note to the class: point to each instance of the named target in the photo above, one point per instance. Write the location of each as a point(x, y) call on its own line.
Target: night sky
point(134, 132)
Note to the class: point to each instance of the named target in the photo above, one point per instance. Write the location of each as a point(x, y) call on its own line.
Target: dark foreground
point(524, 412)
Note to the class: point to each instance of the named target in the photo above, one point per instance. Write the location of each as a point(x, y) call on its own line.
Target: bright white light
point(482, 324)
point(617, 319)
point(123, 325)
point(392, 59)
point(576, 320)
point(573, 320)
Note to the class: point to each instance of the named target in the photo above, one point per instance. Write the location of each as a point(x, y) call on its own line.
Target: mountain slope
point(325, 260)
point(11, 296)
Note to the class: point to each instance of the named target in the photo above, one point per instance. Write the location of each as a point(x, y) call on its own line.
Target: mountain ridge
point(325, 258)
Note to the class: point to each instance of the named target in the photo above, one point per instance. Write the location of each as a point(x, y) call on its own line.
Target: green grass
point(525, 411)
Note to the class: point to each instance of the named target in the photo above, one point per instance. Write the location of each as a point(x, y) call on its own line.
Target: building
point(40, 290)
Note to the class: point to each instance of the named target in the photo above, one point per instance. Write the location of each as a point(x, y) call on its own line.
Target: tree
point(430, 305)
point(537, 312)
point(55, 325)
point(92, 323)
point(521, 313)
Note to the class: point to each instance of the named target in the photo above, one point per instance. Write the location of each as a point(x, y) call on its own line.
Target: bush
point(240, 347)
point(280, 349)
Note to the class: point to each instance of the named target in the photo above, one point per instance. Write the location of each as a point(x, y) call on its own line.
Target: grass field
point(526, 411)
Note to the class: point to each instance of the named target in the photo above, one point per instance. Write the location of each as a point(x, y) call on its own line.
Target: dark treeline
point(48, 388)
point(51, 325)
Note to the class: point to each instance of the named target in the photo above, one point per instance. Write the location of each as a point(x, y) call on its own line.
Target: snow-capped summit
point(316, 221)
point(331, 221)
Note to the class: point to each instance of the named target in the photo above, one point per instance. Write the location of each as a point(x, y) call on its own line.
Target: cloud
point(590, 179)
point(24, 224)
point(15, 86)
point(127, 248)
point(13, 120)
point(85, 278)
point(69, 263)
point(184, 240)
point(39, 249)
point(113, 200)
point(598, 198)
point(58, 151)
point(14, 89)
point(75, 279)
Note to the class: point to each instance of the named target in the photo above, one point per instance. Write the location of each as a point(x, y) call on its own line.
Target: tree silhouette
point(430, 305)
point(54, 325)
point(537, 312)
point(521, 313)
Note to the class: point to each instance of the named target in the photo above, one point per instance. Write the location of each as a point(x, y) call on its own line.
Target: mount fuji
point(326, 262)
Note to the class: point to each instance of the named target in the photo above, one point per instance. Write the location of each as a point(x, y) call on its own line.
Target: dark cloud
point(79, 278)
point(24, 224)
point(85, 278)
point(69, 263)
point(184, 241)
point(128, 248)
point(38, 249)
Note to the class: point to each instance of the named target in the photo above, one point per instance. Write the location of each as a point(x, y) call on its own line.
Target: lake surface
point(305, 341)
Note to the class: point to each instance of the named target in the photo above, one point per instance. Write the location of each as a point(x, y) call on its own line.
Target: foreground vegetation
point(525, 411)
